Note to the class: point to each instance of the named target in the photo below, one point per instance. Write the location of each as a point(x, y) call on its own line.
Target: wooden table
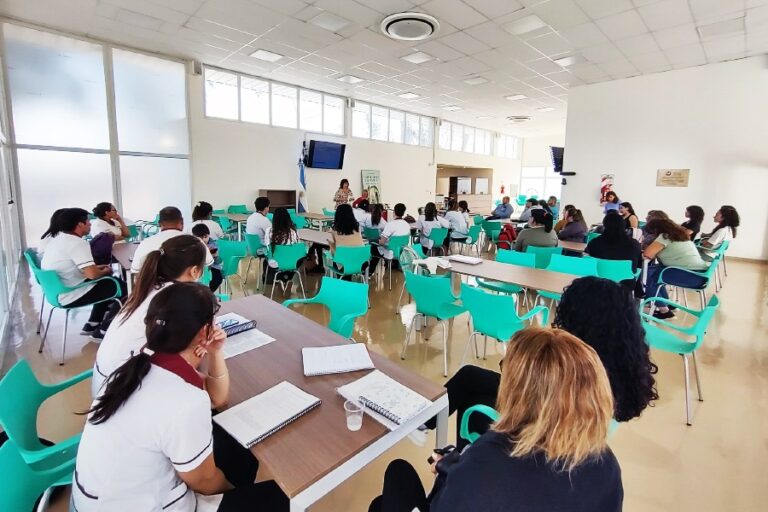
point(314, 236)
point(532, 278)
point(239, 218)
point(572, 246)
point(317, 219)
point(315, 454)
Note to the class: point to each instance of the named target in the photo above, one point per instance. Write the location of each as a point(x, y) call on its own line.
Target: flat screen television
point(557, 158)
point(325, 155)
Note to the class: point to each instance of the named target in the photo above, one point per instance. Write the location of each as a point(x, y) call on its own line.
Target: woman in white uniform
point(108, 220)
point(149, 443)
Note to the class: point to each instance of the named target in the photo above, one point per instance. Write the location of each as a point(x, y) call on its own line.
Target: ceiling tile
point(602, 53)
point(561, 14)
point(240, 14)
point(725, 48)
point(551, 44)
point(455, 12)
point(584, 35)
point(677, 36)
point(289, 7)
point(686, 56)
point(439, 50)
point(494, 8)
point(465, 43)
point(651, 62)
point(757, 19)
point(387, 7)
point(490, 34)
point(618, 67)
point(704, 10)
point(353, 11)
point(666, 14)
point(644, 43)
point(520, 51)
point(470, 65)
point(544, 66)
point(601, 8)
point(209, 27)
point(619, 26)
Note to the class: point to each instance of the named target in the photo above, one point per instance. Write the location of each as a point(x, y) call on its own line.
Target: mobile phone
point(442, 452)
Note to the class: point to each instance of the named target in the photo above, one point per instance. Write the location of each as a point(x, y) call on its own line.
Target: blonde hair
point(554, 397)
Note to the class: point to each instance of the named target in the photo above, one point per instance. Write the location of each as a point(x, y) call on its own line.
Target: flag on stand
point(302, 203)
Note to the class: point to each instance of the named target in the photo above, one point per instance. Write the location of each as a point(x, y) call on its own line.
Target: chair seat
point(550, 295)
point(664, 340)
point(500, 287)
point(447, 311)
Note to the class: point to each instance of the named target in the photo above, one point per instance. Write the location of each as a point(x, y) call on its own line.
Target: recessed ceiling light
point(545, 109)
point(409, 95)
point(329, 21)
point(476, 80)
point(721, 28)
point(266, 55)
point(350, 79)
point(516, 97)
point(418, 57)
point(570, 61)
point(524, 25)
point(452, 108)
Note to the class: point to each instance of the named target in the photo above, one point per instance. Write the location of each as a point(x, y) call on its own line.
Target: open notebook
point(350, 357)
point(242, 335)
point(264, 414)
point(385, 399)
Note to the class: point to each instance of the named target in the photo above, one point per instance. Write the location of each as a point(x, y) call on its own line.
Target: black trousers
point(101, 291)
point(402, 490)
point(471, 385)
point(216, 279)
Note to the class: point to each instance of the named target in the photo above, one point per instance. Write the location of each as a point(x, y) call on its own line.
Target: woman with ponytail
point(539, 232)
point(202, 213)
point(149, 442)
point(180, 259)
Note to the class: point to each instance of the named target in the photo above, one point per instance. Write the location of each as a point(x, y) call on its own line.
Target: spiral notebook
point(232, 323)
point(385, 399)
point(350, 357)
point(261, 416)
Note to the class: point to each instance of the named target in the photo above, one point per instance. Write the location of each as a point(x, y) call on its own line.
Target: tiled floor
point(718, 464)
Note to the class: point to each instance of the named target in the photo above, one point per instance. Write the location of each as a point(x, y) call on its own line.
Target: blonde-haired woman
point(546, 452)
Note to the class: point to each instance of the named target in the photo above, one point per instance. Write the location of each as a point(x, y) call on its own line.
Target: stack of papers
point(432, 263)
point(351, 357)
point(470, 260)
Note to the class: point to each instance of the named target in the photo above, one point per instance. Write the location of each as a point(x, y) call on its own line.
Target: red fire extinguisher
point(502, 189)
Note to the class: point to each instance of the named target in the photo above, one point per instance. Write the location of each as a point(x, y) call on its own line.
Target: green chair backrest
point(51, 284)
point(464, 432)
point(32, 258)
point(438, 236)
point(699, 329)
point(520, 200)
point(573, 265)
point(641, 224)
point(225, 223)
point(429, 294)
point(291, 211)
point(133, 232)
point(270, 215)
point(396, 244)
point(254, 244)
point(23, 484)
point(543, 254)
point(352, 259)
point(371, 233)
point(329, 213)
point(344, 299)
point(288, 256)
point(299, 221)
point(592, 236)
point(238, 208)
point(485, 308)
point(231, 252)
point(524, 259)
point(473, 235)
point(615, 270)
point(206, 276)
point(477, 220)
point(723, 247)
point(214, 212)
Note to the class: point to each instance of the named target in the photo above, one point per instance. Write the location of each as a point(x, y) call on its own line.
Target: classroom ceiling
point(484, 51)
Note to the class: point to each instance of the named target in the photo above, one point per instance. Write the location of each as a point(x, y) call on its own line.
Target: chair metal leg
point(698, 380)
point(40, 322)
point(390, 275)
point(64, 337)
point(45, 334)
point(271, 293)
point(725, 267)
point(400, 298)
point(685, 297)
point(445, 348)
point(466, 348)
point(703, 299)
point(301, 283)
point(687, 391)
point(248, 269)
point(485, 347)
point(408, 336)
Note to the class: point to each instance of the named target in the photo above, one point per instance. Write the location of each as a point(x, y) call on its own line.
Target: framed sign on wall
point(672, 177)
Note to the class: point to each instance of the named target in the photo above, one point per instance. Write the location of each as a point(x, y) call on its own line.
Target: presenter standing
point(344, 195)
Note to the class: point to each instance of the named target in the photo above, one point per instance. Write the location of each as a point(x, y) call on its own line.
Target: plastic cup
point(354, 412)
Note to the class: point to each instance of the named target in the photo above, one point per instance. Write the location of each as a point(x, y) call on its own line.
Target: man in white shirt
point(396, 227)
point(258, 223)
point(69, 255)
point(171, 225)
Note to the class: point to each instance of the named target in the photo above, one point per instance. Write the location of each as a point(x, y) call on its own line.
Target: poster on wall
point(606, 185)
point(372, 182)
point(672, 177)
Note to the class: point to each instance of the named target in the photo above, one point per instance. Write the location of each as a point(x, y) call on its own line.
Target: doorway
point(471, 184)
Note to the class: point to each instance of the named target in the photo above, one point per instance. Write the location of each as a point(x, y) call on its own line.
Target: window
point(284, 106)
point(412, 129)
point(469, 139)
point(457, 137)
point(333, 115)
point(361, 120)
point(310, 110)
point(220, 94)
point(254, 100)
point(480, 141)
point(445, 135)
point(427, 133)
point(396, 126)
point(508, 147)
point(540, 181)
point(379, 123)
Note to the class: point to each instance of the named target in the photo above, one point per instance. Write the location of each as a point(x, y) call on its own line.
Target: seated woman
point(539, 232)
point(464, 210)
point(202, 213)
point(588, 309)
point(136, 455)
point(562, 222)
point(282, 232)
point(547, 451)
point(727, 219)
point(345, 231)
point(108, 220)
point(375, 219)
point(616, 244)
point(456, 221)
point(427, 223)
point(575, 228)
point(180, 260)
point(648, 238)
point(673, 248)
point(628, 214)
point(695, 216)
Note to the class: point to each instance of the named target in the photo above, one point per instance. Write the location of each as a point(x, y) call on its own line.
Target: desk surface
point(533, 278)
point(235, 217)
point(314, 236)
point(123, 253)
point(316, 216)
point(308, 449)
point(572, 246)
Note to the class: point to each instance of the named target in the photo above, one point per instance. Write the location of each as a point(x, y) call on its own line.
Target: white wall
point(536, 152)
point(232, 160)
point(505, 170)
point(710, 119)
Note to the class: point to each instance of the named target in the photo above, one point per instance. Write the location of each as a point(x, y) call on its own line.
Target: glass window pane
point(479, 141)
point(445, 135)
point(512, 147)
point(501, 142)
point(412, 129)
point(396, 126)
point(469, 139)
point(254, 100)
point(220, 94)
point(57, 179)
point(142, 202)
point(284, 106)
point(553, 187)
point(426, 137)
point(151, 104)
point(361, 120)
point(310, 110)
point(333, 115)
point(532, 187)
point(457, 137)
point(57, 89)
point(533, 172)
point(488, 143)
point(379, 123)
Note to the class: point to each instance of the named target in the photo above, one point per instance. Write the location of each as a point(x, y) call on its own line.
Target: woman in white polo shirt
point(201, 214)
point(727, 219)
point(108, 220)
point(149, 444)
point(180, 259)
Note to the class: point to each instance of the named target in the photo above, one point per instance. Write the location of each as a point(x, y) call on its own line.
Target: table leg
point(441, 434)
point(239, 231)
point(646, 262)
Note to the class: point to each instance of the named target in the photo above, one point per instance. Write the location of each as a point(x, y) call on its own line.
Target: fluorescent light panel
point(329, 21)
point(545, 109)
point(722, 28)
point(570, 60)
point(417, 58)
point(524, 25)
point(409, 96)
point(452, 108)
point(350, 79)
point(477, 80)
point(516, 97)
point(266, 55)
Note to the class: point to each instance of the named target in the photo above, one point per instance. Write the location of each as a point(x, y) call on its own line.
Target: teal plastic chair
point(396, 245)
point(349, 262)
point(52, 287)
point(256, 249)
point(592, 236)
point(438, 236)
point(227, 226)
point(21, 395)
point(291, 211)
point(232, 253)
point(33, 260)
point(543, 254)
point(372, 234)
point(25, 484)
point(707, 275)
point(434, 299)
point(299, 221)
point(133, 233)
point(238, 208)
point(491, 230)
point(408, 254)
point(495, 316)
point(569, 265)
point(472, 239)
point(675, 338)
point(329, 213)
point(520, 199)
point(464, 432)
point(345, 301)
point(287, 258)
point(477, 220)
point(522, 259)
point(616, 270)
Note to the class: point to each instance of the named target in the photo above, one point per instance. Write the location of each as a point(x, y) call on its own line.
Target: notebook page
point(245, 341)
point(350, 357)
point(265, 412)
point(231, 316)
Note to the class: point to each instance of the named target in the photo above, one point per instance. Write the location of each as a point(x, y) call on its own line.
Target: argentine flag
point(302, 203)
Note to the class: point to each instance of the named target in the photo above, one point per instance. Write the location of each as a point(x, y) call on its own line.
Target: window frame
point(405, 114)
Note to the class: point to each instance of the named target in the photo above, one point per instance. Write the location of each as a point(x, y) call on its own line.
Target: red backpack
point(507, 237)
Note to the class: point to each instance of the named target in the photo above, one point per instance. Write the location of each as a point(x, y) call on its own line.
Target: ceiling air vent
point(518, 119)
point(410, 26)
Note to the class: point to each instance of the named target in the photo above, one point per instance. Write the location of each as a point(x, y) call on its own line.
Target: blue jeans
point(674, 277)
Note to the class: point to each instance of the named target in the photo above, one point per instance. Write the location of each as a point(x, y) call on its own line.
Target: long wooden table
point(314, 236)
point(572, 246)
point(317, 220)
point(532, 278)
point(316, 453)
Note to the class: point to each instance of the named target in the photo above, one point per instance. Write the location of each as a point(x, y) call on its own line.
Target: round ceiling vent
point(518, 119)
point(409, 26)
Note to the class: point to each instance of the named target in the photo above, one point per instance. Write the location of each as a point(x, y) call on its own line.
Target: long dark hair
point(545, 206)
point(463, 205)
point(69, 218)
point(695, 214)
point(344, 222)
point(577, 216)
point(730, 219)
point(614, 227)
point(605, 316)
point(615, 197)
point(202, 211)
point(174, 318)
point(342, 182)
point(53, 225)
point(542, 216)
point(282, 227)
point(101, 210)
point(670, 229)
point(376, 212)
point(628, 206)
point(160, 266)
point(430, 212)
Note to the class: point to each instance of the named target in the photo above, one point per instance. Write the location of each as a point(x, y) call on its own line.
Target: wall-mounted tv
point(325, 155)
point(557, 158)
